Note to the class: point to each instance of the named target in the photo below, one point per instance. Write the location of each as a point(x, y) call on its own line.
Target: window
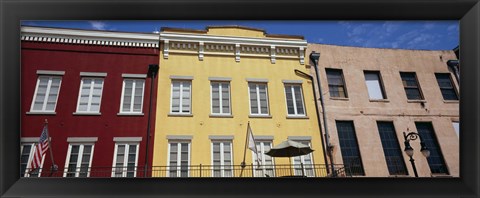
point(78, 160)
point(90, 95)
point(125, 160)
point(258, 98)
point(179, 159)
point(374, 85)
point(305, 161)
point(294, 99)
point(266, 167)
point(391, 149)
point(220, 97)
point(446, 86)
point(26, 155)
point(349, 147)
point(46, 94)
point(181, 97)
point(456, 127)
point(132, 96)
point(435, 161)
point(222, 159)
point(336, 84)
point(410, 83)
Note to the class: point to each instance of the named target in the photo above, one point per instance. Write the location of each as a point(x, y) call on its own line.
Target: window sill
point(379, 100)
point(451, 101)
point(416, 101)
point(220, 116)
point(179, 115)
point(297, 117)
point(87, 113)
point(40, 113)
point(260, 116)
point(130, 114)
point(339, 98)
point(440, 175)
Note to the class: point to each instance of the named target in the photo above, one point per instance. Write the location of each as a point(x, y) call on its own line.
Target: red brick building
point(93, 88)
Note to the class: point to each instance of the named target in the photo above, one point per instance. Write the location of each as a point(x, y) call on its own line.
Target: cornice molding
point(89, 37)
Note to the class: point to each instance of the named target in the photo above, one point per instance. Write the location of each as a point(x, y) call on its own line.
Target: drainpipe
point(315, 57)
point(454, 64)
point(318, 115)
point(152, 73)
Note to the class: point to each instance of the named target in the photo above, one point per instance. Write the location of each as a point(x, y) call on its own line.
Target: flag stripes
point(40, 148)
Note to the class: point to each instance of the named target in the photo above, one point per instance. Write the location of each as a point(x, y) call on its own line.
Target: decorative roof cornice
point(89, 37)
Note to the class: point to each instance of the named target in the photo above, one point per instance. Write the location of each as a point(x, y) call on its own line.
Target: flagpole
point(53, 168)
point(245, 150)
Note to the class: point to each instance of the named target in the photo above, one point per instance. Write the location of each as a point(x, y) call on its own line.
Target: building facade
point(212, 84)
point(372, 96)
point(93, 89)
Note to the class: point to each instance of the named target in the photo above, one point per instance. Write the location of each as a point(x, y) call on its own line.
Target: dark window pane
point(336, 84)
point(446, 87)
point(412, 89)
point(391, 149)
point(435, 161)
point(349, 148)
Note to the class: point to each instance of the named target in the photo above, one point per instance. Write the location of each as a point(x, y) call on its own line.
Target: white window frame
point(257, 92)
point(125, 160)
point(180, 108)
point(30, 157)
point(379, 83)
point(90, 95)
point(179, 151)
point(222, 157)
point(47, 93)
point(131, 111)
point(79, 160)
point(220, 97)
point(262, 154)
point(302, 160)
point(294, 100)
point(457, 132)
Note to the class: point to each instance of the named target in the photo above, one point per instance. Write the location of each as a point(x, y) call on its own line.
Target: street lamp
point(152, 73)
point(409, 150)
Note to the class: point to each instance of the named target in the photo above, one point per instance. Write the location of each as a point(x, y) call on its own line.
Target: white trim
point(294, 101)
point(29, 139)
point(47, 95)
point(219, 79)
point(126, 154)
point(93, 74)
point(222, 157)
point(134, 75)
point(279, 42)
point(131, 109)
point(220, 137)
point(181, 77)
point(220, 98)
point(79, 159)
point(257, 92)
point(257, 80)
point(49, 72)
point(90, 96)
point(179, 155)
point(180, 105)
point(59, 35)
point(127, 139)
point(263, 137)
point(30, 157)
point(82, 139)
point(300, 138)
point(292, 81)
point(179, 137)
point(262, 155)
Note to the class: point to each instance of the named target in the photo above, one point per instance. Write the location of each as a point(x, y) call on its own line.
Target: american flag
point(40, 150)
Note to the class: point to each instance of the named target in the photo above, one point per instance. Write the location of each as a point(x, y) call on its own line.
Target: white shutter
point(373, 84)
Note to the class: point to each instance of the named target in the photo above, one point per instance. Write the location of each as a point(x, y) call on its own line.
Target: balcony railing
point(283, 170)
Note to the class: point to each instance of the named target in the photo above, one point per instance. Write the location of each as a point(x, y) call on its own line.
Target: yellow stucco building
point(212, 83)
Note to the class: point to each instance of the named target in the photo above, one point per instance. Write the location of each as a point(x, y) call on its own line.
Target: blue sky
point(426, 35)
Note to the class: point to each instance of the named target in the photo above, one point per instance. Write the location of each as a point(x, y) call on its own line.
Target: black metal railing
point(282, 170)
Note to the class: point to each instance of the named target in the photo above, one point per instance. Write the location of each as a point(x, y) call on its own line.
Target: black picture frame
point(12, 12)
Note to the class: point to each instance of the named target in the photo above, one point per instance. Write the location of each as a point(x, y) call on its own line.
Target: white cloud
point(97, 25)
